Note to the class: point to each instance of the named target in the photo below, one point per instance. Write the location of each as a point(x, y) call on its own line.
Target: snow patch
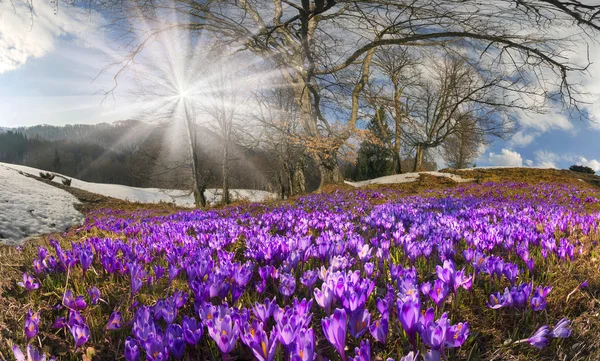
point(152, 195)
point(29, 207)
point(407, 178)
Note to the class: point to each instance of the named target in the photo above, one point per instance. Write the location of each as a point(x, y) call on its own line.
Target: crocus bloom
point(408, 314)
point(175, 340)
point(60, 322)
point(225, 332)
point(359, 322)
point(561, 330)
point(32, 354)
point(379, 329)
point(94, 294)
point(363, 353)
point(31, 328)
point(334, 328)
point(434, 333)
point(132, 349)
point(114, 322)
point(324, 297)
point(538, 339)
point(438, 293)
point(29, 283)
point(192, 332)
point(457, 335)
point(263, 311)
point(305, 346)
point(81, 334)
point(76, 303)
point(156, 350)
point(411, 356)
point(255, 337)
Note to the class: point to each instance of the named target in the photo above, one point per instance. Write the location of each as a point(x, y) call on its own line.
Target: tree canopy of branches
point(520, 46)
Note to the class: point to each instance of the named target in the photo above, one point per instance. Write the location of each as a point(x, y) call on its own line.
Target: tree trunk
point(198, 186)
point(330, 171)
point(397, 163)
point(418, 158)
point(299, 181)
point(226, 199)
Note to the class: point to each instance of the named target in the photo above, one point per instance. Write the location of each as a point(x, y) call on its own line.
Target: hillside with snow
point(29, 207)
point(178, 197)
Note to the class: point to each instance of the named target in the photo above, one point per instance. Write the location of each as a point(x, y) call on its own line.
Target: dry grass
point(491, 329)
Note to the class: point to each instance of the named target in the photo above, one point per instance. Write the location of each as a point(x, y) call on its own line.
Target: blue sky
point(47, 76)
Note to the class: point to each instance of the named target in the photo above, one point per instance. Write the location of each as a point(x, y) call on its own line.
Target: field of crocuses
point(473, 272)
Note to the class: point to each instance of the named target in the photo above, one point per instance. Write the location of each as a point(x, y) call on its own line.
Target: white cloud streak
point(26, 34)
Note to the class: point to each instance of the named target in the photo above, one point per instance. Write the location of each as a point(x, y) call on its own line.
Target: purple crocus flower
point(359, 322)
point(379, 329)
point(263, 311)
point(438, 293)
point(76, 303)
point(75, 318)
point(81, 334)
point(408, 314)
point(156, 350)
point(305, 346)
point(224, 331)
point(32, 354)
point(539, 339)
point(94, 294)
point(86, 257)
point(132, 349)
point(561, 330)
point(175, 341)
point(192, 331)
point(309, 278)
point(180, 298)
point(60, 322)
point(324, 297)
point(287, 284)
point(334, 328)
point(114, 321)
point(255, 337)
point(363, 353)
point(28, 283)
point(411, 356)
point(457, 335)
point(434, 332)
point(31, 328)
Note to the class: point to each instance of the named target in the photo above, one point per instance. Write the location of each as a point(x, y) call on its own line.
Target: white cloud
point(528, 162)
point(25, 34)
point(506, 158)
point(547, 159)
point(593, 163)
point(523, 138)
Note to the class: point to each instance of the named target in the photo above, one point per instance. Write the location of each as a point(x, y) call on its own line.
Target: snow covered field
point(152, 195)
point(29, 207)
point(407, 178)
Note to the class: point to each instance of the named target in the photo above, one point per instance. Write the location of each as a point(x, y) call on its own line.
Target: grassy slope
point(582, 307)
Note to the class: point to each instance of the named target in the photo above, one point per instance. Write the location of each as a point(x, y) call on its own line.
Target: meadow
point(492, 271)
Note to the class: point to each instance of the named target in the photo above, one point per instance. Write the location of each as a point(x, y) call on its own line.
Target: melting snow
point(29, 207)
point(407, 178)
point(152, 195)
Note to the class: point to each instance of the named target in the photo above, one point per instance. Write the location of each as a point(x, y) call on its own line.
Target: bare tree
point(311, 42)
point(278, 114)
point(222, 106)
point(461, 148)
point(455, 96)
point(386, 92)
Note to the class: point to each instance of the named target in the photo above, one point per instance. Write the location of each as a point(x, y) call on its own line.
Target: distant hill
point(133, 153)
